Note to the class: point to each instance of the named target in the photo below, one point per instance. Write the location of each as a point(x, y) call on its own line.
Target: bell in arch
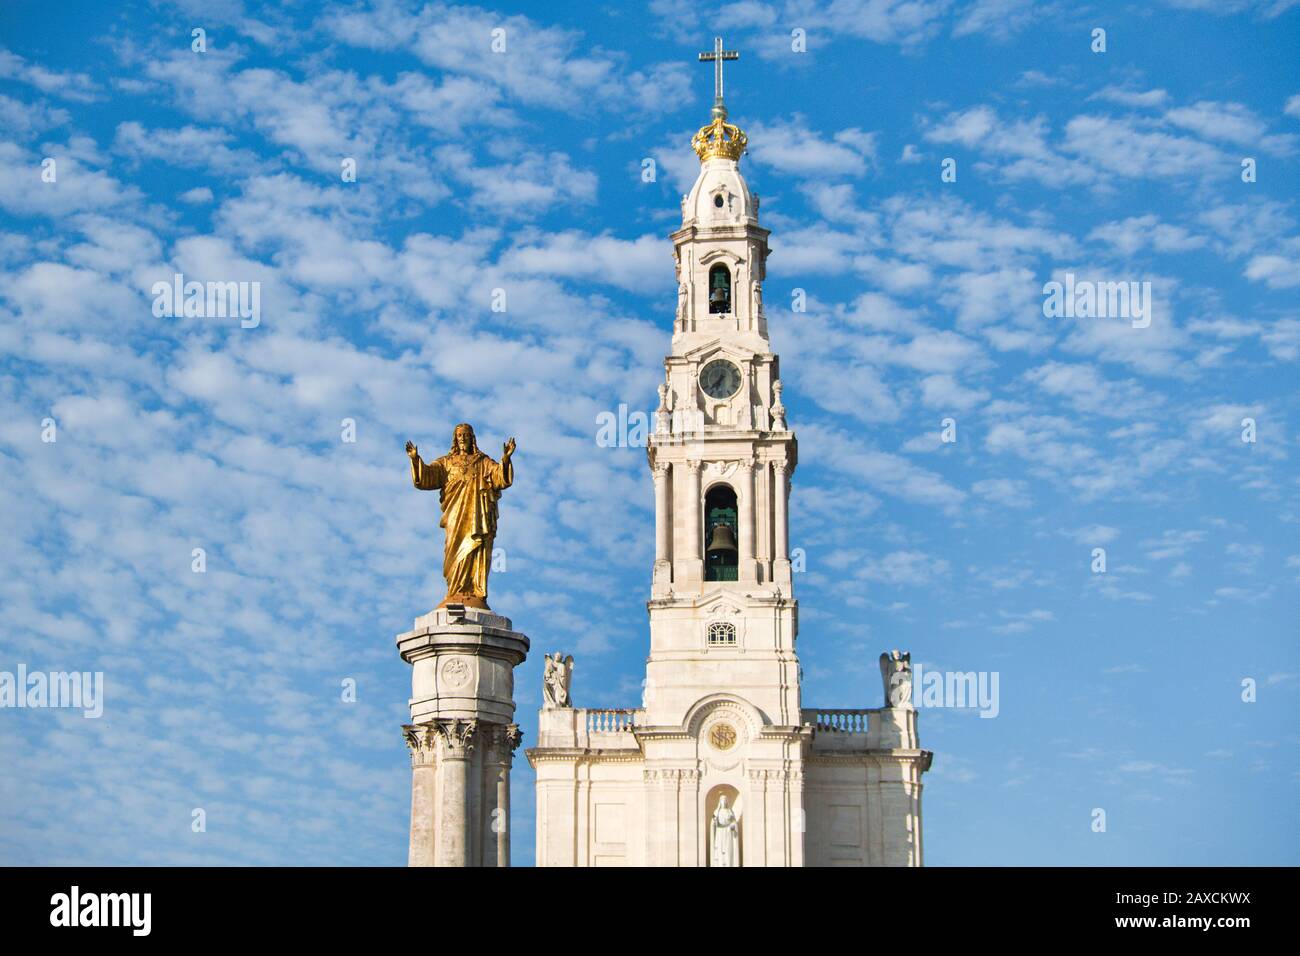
point(724, 539)
point(721, 556)
point(719, 289)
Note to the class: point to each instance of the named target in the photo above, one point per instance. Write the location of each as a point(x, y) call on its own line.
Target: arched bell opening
point(719, 290)
point(721, 554)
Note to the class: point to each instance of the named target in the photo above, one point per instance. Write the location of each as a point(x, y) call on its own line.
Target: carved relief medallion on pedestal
point(456, 672)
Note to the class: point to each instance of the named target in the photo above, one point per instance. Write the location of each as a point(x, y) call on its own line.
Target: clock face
point(720, 379)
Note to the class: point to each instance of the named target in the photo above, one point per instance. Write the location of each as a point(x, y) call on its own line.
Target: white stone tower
point(722, 739)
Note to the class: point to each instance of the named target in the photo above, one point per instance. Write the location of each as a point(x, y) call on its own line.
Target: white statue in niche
point(725, 834)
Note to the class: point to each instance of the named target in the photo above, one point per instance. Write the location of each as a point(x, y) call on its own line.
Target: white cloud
point(1008, 492)
point(1277, 271)
point(25, 120)
point(1171, 544)
point(1093, 535)
point(1129, 97)
point(1232, 123)
point(78, 87)
point(638, 265)
point(77, 186)
point(188, 146)
point(1000, 19)
point(1137, 233)
point(790, 148)
point(946, 393)
point(903, 569)
point(1084, 387)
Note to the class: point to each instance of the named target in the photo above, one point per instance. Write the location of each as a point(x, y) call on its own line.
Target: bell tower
point(722, 614)
point(721, 765)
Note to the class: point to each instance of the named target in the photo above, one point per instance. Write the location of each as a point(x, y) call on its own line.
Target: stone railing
point(838, 721)
point(613, 721)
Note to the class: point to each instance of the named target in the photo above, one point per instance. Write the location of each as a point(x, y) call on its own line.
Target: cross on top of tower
point(719, 139)
point(717, 55)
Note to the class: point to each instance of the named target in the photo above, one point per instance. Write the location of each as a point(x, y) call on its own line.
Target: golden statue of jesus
point(469, 484)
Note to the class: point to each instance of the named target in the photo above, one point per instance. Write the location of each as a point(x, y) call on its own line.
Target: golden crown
point(719, 139)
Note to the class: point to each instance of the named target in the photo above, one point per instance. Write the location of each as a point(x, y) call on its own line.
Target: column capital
point(457, 737)
point(423, 743)
point(446, 737)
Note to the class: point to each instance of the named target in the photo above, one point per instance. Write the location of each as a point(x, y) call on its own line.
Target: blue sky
point(522, 171)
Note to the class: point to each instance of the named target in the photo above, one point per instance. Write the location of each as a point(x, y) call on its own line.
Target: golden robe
point(469, 487)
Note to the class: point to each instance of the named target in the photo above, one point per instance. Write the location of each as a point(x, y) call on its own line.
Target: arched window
point(721, 557)
point(721, 634)
point(719, 290)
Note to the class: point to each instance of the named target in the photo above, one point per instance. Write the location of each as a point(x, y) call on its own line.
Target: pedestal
point(462, 735)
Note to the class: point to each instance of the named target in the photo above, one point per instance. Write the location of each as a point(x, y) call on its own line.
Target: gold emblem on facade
point(722, 736)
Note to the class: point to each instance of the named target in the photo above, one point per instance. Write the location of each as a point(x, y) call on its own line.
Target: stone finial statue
point(778, 410)
point(896, 673)
point(664, 413)
point(470, 483)
point(556, 680)
point(724, 833)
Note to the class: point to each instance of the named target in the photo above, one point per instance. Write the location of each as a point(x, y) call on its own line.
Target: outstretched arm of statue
point(425, 477)
point(507, 467)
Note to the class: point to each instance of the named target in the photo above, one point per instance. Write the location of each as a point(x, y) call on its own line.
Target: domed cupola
point(720, 194)
point(721, 250)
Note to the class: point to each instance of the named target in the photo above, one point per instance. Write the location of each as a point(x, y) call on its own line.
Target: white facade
point(722, 713)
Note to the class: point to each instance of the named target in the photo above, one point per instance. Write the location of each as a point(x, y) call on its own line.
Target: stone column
point(754, 849)
point(423, 742)
point(663, 522)
point(690, 812)
point(457, 747)
point(694, 570)
point(510, 737)
point(778, 822)
point(798, 819)
point(781, 521)
point(748, 553)
point(489, 820)
point(652, 829)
